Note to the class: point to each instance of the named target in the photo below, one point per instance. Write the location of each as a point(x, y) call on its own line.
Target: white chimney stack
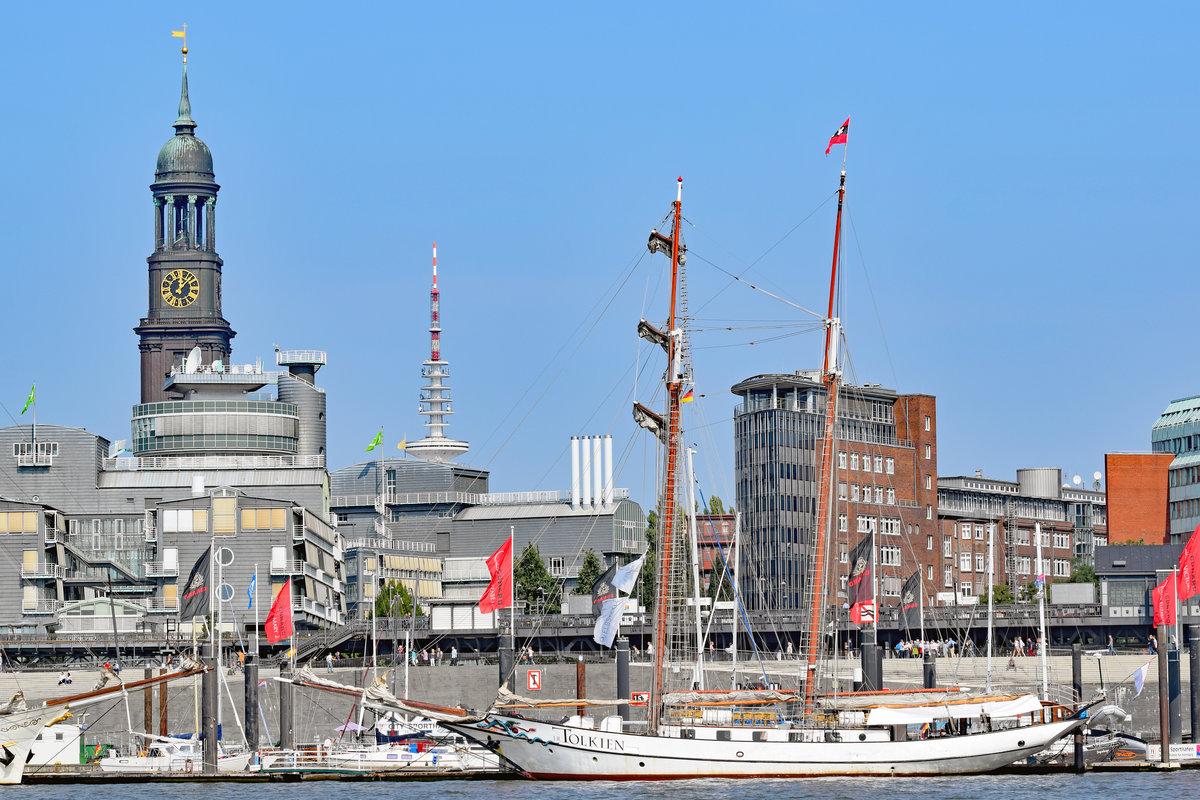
point(586, 500)
point(598, 475)
point(608, 471)
point(575, 472)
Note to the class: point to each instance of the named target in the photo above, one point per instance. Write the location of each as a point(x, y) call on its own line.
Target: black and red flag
point(860, 587)
point(910, 602)
point(839, 137)
point(194, 602)
point(603, 589)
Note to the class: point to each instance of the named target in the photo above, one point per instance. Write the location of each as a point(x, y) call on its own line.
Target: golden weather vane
point(182, 35)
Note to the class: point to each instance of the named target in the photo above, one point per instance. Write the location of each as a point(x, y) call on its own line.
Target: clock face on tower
point(180, 288)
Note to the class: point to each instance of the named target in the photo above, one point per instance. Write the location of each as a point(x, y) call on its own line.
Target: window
point(224, 515)
point(1022, 536)
point(929, 572)
point(979, 562)
point(928, 542)
point(1061, 541)
point(866, 461)
point(947, 547)
point(1062, 568)
point(841, 491)
point(1023, 565)
point(964, 562)
point(965, 530)
point(979, 532)
point(889, 526)
point(264, 519)
point(889, 556)
point(879, 463)
point(18, 522)
point(891, 465)
point(843, 525)
point(891, 496)
point(841, 459)
point(878, 494)
point(854, 461)
point(928, 451)
point(854, 493)
point(928, 512)
point(866, 524)
point(891, 586)
point(556, 566)
point(928, 481)
point(843, 554)
point(965, 589)
point(947, 577)
point(928, 421)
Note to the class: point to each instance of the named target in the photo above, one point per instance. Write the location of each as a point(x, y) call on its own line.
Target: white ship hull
point(548, 751)
point(17, 732)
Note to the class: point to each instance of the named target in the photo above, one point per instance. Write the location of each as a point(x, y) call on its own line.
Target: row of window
point(1180, 444)
point(1183, 477)
point(215, 441)
point(18, 522)
point(867, 492)
point(881, 464)
point(1183, 509)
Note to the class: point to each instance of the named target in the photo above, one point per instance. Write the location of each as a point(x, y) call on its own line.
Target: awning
point(915, 715)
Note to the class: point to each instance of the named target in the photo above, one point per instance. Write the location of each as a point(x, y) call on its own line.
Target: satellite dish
point(1096, 476)
point(192, 362)
point(218, 366)
point(1077, 480)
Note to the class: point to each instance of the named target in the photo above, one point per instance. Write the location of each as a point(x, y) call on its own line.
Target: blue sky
point(1020, 239)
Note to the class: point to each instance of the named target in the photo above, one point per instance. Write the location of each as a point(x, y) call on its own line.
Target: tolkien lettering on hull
point(591, 741)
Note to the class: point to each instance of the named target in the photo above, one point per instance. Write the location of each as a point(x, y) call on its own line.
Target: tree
point(717, 506)
point(1083, 572)
point(531, 575)
point(591, 570)
point(719, 584)
point(397, 592)
point(1028, 593)
point(1002, 595)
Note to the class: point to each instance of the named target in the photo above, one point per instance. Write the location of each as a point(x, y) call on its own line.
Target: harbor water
point(1180, 784)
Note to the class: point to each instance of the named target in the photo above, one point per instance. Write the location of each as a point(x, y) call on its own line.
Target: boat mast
point(666, 519)
point(829, 376)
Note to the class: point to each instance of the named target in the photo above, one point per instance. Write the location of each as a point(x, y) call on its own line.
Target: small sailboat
point(769, 732)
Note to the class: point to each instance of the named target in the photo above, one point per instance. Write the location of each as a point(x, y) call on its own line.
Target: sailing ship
point(763, 733)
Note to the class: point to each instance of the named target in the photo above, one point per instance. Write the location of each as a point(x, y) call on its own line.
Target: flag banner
point(609, 621)
point(32, 397)
point(687, 397)
point(378, 440)
point(194, 602)
point(177, 34)
point(499, 593)
point(1189, 567)
point(859, 588)
point(910, 602)
point(603, 589)
point(864, 612)
point(279, 619)
point(839, 136)
point(1139, 678)
point(1163, 597)
point(403, 444)
point(627, 575)
point(250, 590)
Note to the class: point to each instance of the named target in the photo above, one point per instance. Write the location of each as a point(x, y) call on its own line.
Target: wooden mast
point(829, 376)
point(666, 519)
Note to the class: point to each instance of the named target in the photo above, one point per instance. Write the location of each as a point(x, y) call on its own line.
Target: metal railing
point(42, 570)
point(134, 464)
point(390, 545)
point(160, 570)
point(460, 498)
point(292, 567)
point(35, 460)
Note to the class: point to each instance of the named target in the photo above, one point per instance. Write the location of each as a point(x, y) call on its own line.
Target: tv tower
point(435, 395)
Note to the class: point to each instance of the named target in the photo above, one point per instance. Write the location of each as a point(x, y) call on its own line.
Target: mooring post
point(623, 677)
point(580, 684)
point(250, 679)
point(506, 666)
point(209, 697)
point(929, 670)
point(1077, 696)
point(1173, 704)
point(1194, 687)
point(287, 694)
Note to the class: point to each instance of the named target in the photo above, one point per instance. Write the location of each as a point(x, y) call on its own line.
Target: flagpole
point(1041, 576)
point(512, 600)
point(257, 649)
point(991, 591)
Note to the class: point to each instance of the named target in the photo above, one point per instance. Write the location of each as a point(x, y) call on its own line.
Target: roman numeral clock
point(180, 288)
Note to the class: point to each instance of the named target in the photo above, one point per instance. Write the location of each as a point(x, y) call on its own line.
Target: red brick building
point(1137, 497)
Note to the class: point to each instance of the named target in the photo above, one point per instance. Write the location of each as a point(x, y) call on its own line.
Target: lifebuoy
point(187, 765)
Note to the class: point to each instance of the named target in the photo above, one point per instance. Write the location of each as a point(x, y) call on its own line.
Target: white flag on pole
point(627, 575)
point(609, 621)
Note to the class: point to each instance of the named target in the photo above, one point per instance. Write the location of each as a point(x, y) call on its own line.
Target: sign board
point(533, 679)
point(641, 698)
point(1177, 752)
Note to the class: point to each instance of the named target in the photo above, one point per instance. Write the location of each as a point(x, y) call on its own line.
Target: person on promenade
point(1153, 644)
point(1111, 650)
point(453, 655)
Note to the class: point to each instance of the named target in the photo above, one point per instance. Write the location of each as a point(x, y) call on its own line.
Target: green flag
point(378, 440)
point(29, 402)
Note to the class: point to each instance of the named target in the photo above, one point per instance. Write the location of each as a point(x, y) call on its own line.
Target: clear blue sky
point(1021, 240)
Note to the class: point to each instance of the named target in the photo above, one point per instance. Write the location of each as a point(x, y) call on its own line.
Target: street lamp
point(541, 607)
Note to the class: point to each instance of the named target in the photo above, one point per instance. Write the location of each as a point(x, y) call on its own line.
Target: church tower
point(184, 270)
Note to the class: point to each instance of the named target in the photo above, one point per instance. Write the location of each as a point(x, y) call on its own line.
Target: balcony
point(295, 567)
point(159, 605)
point(40, 606)
point(38, 571)
point(35, 460)
point(160, 570)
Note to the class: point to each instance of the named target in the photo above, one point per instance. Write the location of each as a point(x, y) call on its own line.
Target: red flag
point(279, 619)
point(1163, 596)
point(862, 612)
point(499, 593)
point(1189, 567)
point(839, 136)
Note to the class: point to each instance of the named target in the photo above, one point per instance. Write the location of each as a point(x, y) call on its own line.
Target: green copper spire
point(184, 124)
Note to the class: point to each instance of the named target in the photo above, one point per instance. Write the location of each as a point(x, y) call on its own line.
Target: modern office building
point(886, 471)
point(1177, 432)
point(222, 453)
point(1073, 523)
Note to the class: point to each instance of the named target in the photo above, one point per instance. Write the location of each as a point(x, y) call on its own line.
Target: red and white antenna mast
point(435, 327)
